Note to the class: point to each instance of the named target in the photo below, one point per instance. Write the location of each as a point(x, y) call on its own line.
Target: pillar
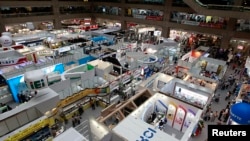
point(2, 26)
point(165, 32)
point(56, 13)
point(225, 41)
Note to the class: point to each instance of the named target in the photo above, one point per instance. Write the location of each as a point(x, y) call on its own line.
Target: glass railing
point(223, 7)
point(26, 14)
point(154, 2)
point(104, 0)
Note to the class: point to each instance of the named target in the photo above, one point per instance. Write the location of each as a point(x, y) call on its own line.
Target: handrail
point(232, 11)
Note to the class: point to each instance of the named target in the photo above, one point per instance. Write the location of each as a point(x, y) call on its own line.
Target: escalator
point(232, 11)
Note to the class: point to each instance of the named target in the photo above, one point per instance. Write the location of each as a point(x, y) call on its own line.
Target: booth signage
point(147, 135)
point(125, 78)
point(37, 84)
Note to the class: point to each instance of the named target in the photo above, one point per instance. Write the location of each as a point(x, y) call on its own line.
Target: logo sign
point(147, 135)
point(37, 84)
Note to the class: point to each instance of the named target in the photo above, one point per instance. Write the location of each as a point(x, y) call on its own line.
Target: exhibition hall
point(123, 70)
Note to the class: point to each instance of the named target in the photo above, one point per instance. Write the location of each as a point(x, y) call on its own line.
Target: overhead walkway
point(232, 11)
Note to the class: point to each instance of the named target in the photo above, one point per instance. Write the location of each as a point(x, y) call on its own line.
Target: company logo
point(37, 84)
point(147, 135)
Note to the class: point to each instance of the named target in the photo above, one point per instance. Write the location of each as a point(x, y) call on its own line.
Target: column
point(238, 2)
point(225, 41)
point(231, 24)
point(167, 12)
point(123, 22)
point(165, 32)
point(2, 26)
point(56, 13)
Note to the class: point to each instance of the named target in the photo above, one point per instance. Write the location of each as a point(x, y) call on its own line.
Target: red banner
point(155, 18)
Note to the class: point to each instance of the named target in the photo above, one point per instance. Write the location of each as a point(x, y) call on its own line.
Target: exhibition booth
point(169, 50)
point(17, 84)
point(191, 39)
point(181, 119)
point(187, 92)
point(21, 117)
point(208, 67)
point(103, 69)
point(11, 57)
point(31, 38)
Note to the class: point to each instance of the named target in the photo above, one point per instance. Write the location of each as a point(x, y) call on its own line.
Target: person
point(80, 109)
point(153, 116)
point(211, 115)
point(92, 104)
point(161, 123)
point(228, 95)
point(220, 114)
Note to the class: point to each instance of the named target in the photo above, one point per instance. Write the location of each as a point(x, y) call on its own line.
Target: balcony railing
point(223, 7)
point(26, 14)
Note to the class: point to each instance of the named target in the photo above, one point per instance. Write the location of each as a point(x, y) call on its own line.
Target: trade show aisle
point(89, 113)
point(217, 106)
